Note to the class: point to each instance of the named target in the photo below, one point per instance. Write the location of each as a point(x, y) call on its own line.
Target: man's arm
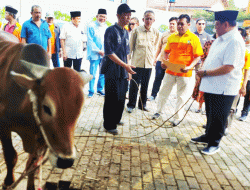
point(192, 65)
point(222, 70)
point(49, 47)
point(119, 62)
point(23, 40)
point(242, 91)
point(90, 41)
point(63, 49)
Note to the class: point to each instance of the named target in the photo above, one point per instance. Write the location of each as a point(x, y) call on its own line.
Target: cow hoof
point(5, 187)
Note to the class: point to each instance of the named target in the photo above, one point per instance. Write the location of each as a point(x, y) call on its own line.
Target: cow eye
point(47, 110)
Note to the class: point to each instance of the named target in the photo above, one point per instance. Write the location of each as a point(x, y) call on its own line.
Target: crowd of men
point(127, 50)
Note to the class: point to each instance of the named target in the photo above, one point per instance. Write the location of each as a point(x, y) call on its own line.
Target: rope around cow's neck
point(159, 126)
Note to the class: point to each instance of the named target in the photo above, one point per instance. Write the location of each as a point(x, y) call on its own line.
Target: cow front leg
point(31, 163)
point(10, 157)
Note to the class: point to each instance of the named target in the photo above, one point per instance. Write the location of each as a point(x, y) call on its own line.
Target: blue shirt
point(95, 35)
point(116, 40)
point(36, 35)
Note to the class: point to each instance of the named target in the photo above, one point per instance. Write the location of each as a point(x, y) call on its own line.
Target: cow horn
point(85, 76)
point(37, 70)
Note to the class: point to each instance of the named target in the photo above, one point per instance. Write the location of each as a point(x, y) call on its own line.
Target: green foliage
point(2, 13)
point(62, 16)
point(208, 16)
point(163, 28)
point(107, 22)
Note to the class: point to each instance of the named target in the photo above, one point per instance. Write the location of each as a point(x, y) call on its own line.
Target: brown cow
point(39, 104)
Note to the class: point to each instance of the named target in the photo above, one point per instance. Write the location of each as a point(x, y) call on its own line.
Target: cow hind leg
point(10, 157)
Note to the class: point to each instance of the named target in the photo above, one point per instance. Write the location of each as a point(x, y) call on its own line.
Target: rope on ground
point(159, 126)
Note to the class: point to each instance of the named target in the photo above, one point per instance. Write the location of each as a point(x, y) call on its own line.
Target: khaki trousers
point(185, 86)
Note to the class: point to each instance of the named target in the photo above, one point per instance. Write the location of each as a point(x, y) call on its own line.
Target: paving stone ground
point(164, 159)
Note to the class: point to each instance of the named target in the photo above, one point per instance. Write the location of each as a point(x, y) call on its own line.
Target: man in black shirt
point(116, 70)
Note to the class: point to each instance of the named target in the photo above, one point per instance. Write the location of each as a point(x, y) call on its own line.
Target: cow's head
point(58, 95)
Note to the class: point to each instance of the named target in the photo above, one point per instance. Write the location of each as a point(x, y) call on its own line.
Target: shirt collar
point(228, 34)
point(117, 25)
point(41, 20)
point(144, 29)
point(188, 32)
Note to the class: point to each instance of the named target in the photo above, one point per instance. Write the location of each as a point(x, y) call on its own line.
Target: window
point(123, 1)
point(111, 0)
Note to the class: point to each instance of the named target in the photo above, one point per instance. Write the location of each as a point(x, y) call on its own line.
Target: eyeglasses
point(201, 23)
point(131, 23)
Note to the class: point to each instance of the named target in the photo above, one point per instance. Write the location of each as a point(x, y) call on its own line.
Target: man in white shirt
point(221, 78)
point(72, 42)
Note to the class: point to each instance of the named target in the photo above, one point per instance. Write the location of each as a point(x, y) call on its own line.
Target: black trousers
point(142, 77)
point(76, 63)
point(159, 75)
point(114, 101)
point(217, 110)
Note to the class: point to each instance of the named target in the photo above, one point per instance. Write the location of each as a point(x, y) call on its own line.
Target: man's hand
point(163, 65)
point(242, 91)
point(101, 53)
point(186, 69)
point(60, 54)
point(129, 77)
point(49, 54)
point(129, 69)
point(65, 57)
point(154, 62)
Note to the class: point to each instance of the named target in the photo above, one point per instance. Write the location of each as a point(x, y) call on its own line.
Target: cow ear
point(85, 76)
point(23, 80)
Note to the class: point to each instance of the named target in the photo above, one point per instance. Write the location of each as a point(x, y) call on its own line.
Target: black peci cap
point(228, 15)
point(102, 11)
point(75, 13)
point(124, 8)
point(11, 10)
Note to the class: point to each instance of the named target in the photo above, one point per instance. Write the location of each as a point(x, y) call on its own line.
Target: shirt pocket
point(45, 33)
point(142, 40)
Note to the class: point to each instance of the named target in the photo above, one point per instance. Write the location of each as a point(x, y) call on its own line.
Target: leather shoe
point(144, 109)
point(209, 150)
point(112, 131)
point(199, 140)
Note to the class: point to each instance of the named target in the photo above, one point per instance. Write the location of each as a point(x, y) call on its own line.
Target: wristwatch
point(204, 73)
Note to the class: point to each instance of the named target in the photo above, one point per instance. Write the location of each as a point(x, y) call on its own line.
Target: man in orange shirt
point(183, 48)
point(55, 41)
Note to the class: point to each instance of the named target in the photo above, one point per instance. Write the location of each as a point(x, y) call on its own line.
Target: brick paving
point(162, 160)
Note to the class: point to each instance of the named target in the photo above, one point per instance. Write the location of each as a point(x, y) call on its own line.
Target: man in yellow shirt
point(12, 26)
point(183, 48)
point(55, 41)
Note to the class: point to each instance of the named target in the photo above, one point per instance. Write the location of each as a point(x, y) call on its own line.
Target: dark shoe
point(243, 118)
point(156, 116)
point(199, 140)
point(120, 123)
point(90, 94)
point(209, 150)
point(144, 109)
point(130, 110)
point(112, 131)
point(100, 93)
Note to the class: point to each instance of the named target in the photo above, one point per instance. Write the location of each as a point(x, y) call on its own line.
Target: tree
point(163, 28)
point(2, 13)
point(61, 16)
